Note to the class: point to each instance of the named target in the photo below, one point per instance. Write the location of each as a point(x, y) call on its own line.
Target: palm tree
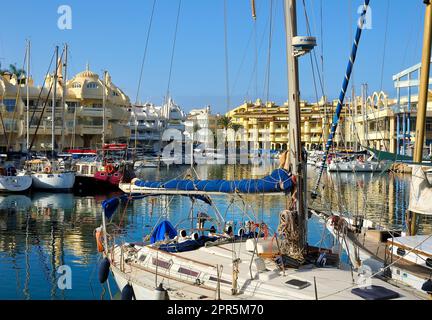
point(224, 122)
point(227, 123)
point(19, 73)
point(236, 126)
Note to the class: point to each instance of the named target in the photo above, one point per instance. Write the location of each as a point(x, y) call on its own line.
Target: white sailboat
point(12, 180)
point(49, 174)
point(207, 264)
point(356, 165)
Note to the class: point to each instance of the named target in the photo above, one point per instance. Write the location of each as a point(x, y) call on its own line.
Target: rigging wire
point(242, 61)
point(16, 101)
point(173, 49)
point(42, 88)
point(145, 51)
point(385, 45)
point(254, 73)
point(228, 102)
point(256, 56)
point(267, 78)
point(45, 102)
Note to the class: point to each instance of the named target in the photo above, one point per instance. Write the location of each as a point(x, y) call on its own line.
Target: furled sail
point(420, 192)
point(279, 180)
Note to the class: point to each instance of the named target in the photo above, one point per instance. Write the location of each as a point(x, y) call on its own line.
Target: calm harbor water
point(41, 231)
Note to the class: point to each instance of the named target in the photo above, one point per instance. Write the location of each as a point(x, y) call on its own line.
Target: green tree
point(18, 72)
point(224, 122)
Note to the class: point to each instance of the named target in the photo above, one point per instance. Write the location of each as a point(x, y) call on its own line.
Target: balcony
point(94, 112)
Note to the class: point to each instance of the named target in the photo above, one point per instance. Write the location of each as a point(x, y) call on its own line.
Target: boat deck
point(202, 277)
point(378, 249)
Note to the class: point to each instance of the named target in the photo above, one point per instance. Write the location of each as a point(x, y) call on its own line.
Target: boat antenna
point(342, 95)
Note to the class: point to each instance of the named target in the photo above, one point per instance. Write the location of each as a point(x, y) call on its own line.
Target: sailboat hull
point(53, 181)
point(15, 183)
point(354, 166)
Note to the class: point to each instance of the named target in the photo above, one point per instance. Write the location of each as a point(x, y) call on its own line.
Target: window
point(115, 94)
point(400, 252)
point(429, 125)
point(10, 104)
point(92, 85)
point(76, 85)
point(84, 169)
point(71, 106)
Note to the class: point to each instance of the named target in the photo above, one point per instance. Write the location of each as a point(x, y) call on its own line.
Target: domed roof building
point(79, 124)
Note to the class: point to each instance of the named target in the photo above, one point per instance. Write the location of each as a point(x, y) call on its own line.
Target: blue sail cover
point(162, 229)
point(279, 180)
point(110, 205)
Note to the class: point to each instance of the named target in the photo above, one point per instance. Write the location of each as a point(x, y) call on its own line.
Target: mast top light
point(303, 45)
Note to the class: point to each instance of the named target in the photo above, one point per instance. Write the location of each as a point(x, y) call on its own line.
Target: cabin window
point(188, 272)
point(214, 279)
point(142, 257)
point(84, 169)
point(9, 104)
point(400, 252)
point(161, 263)
point(429, 262)
point(93, 170)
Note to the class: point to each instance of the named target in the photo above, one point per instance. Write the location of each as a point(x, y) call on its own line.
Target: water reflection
point(382, 198)
point(41, 231)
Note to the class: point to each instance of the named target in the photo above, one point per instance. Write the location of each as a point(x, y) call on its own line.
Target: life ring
point(48, 169)
point(99, 235)
point(109, 168)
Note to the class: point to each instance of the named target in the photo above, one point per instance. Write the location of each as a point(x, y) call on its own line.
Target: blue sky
point(111, 35)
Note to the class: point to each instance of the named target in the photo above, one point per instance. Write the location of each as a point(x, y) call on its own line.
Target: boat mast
point(28, 98)
point(295, 147)
point(423, 97)
point(54, 103)
point(103, 109)
point(64, 96)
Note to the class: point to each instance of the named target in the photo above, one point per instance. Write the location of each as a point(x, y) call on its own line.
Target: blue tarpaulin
point(162, 229)
point(279, 180)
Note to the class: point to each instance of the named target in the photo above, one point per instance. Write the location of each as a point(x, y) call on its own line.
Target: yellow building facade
point(80, 119)
point(266, 124)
